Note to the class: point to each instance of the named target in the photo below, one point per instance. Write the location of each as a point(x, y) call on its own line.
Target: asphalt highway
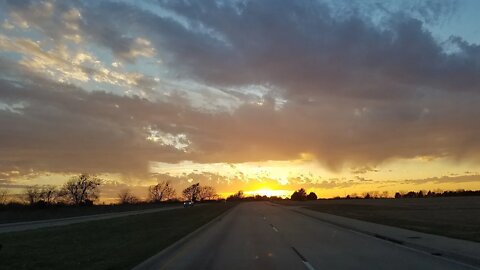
point(260, 235)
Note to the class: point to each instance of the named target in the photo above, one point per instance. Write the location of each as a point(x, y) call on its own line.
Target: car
point(188, 204)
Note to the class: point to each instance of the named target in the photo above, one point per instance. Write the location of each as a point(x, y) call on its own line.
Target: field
point(119, 243)
point(20, 213)
point(457, 217)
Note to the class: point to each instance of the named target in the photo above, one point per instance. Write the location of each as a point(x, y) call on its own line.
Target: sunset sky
point(338, 97)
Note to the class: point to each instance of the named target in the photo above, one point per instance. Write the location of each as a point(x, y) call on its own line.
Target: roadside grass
point(119, 243)
point(457, 217)
point(21, 213)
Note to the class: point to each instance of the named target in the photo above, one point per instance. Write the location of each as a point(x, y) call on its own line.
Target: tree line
point(430, 194)
point(298, 195)
point(83, 190)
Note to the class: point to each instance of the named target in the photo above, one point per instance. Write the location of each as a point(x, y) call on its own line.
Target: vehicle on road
point(188, 204)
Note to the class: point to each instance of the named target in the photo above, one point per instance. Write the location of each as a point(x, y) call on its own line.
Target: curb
point(153, 261)
point(448, 255)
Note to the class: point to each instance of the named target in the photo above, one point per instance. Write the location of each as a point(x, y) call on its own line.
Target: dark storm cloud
point(354, 90)
point(300, 47)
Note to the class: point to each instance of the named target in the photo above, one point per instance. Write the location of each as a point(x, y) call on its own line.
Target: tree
point(81, 189)
point(126, 197)
point(161, 192)
point(33, 194)
point(207, 193)
point(192, 192)
point(3, 196)
point(49, 194)
point(299, 195)
point(236, 197)
point(41, 195)
point(312, 196)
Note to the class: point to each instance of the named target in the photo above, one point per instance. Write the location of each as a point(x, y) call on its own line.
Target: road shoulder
point(459, 250)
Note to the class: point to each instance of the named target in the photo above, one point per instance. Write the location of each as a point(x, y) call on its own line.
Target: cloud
point(61, 128)
point(72, 21)
point(342, 87)
point(444, 179)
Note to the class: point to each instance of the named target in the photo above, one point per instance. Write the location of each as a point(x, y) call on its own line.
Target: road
point(38, 224)
point(260, 235)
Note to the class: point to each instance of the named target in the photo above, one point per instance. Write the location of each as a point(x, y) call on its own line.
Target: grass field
point(22, 213)
point(119, 243)
point(457, 217)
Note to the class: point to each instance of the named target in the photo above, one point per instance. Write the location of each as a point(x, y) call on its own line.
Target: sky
point(338, 97)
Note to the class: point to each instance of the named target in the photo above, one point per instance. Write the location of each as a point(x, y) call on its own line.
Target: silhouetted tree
point(236, 197)
point(191, 193)
point(299, 195)
point(312, 196)
point(33, 194)
point(49, 194)
point(207, 193)
point(81, 189)
point(161, 192)
point(3, 196)
point(126, 197)
point(41, 195)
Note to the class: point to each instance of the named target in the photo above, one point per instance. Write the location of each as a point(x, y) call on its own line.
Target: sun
point(269, 192)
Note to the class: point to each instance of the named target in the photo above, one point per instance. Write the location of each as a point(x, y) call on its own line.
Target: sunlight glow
point(269, 192)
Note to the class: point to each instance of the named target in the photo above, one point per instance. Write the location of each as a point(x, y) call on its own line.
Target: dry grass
point(457, 217)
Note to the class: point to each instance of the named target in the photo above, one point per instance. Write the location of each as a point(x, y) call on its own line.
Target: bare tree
point(126, 197)
point(161, 192)
point(81, 189)
point(192, 192)
point(49, 194)
point(3, 196)
point(207, 193)
point(33, 194)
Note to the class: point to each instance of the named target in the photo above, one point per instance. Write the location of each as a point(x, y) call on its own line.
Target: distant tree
point(81, 189)
point(49, 194)
point(207, 193)
point(192, 192)
point(367, 196)
point(126, 197)
point(312, 196)
point(236, 197)
point(161, 192)
point(299, 195)
point(33, 194)
point(3, 196)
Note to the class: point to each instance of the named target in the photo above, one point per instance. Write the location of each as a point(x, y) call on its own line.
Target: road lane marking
point(274, 228)
point(304, 260)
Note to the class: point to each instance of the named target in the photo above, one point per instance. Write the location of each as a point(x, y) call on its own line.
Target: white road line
point(274, 228)
point(308, 265)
